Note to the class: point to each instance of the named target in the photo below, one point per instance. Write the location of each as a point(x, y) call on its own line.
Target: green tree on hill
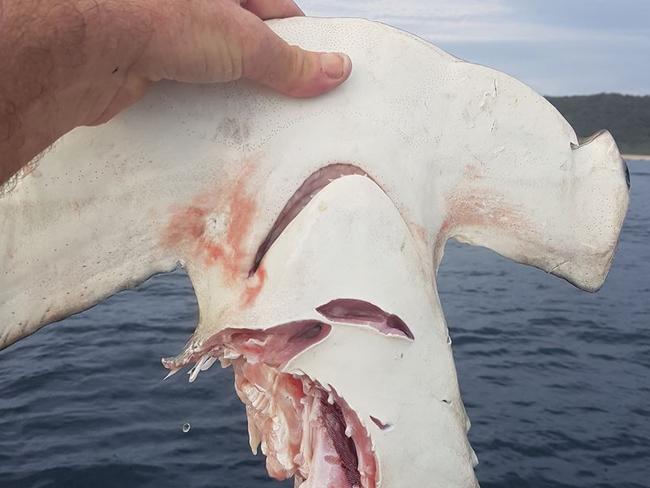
point(627, 117)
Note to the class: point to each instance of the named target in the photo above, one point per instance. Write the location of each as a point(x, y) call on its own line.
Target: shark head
point(342, 350)
point(312, 231)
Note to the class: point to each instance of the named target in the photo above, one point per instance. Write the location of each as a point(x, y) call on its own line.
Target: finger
point(272, 9)
point(269, 60)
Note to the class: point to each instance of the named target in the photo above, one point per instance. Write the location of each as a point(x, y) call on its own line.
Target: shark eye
point(351, 311)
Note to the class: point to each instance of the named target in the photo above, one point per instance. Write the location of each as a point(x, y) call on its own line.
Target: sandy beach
point(637, 157)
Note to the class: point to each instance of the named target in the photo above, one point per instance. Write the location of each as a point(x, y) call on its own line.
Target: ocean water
point(556, 382)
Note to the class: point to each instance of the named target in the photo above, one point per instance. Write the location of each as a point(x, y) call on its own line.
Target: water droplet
point(186, 427)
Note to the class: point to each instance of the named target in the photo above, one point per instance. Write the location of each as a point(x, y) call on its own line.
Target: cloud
point(557, 46)
point(470, 20)
point(391, 9)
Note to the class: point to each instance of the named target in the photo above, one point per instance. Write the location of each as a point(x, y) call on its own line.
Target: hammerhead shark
point(312, 231)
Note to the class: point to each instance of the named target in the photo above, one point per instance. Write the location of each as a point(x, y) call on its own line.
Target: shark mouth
point(305, 429)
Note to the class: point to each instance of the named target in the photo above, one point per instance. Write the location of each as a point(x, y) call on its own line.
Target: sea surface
point(556, 382)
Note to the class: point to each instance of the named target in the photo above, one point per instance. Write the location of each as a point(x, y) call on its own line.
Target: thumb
point(290, 70)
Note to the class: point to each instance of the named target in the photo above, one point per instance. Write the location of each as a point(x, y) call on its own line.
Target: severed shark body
point(312, 231)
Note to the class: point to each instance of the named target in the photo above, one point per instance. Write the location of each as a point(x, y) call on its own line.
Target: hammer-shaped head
point(312, 231)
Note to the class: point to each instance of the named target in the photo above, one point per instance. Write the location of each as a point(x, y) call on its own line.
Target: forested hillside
point(626, 117)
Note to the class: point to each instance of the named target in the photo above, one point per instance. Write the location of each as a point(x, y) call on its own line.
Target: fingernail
point(335, 65)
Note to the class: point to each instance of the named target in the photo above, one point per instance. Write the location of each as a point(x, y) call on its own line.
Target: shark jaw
point(357, 380)
point(306, 430)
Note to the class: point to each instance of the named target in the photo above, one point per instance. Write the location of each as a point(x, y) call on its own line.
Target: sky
point(570, 47)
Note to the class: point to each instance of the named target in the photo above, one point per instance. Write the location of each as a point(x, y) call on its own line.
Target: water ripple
point(554, 380)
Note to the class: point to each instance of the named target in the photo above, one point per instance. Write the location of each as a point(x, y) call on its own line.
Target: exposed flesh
point(306, 430)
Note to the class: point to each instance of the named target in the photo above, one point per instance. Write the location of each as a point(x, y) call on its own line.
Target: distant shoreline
point(636, 157)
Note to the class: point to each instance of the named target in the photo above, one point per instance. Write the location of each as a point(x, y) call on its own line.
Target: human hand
point(80, 62)
point(207, 41)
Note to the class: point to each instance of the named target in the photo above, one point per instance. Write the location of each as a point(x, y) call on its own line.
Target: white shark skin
point(198, 175)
